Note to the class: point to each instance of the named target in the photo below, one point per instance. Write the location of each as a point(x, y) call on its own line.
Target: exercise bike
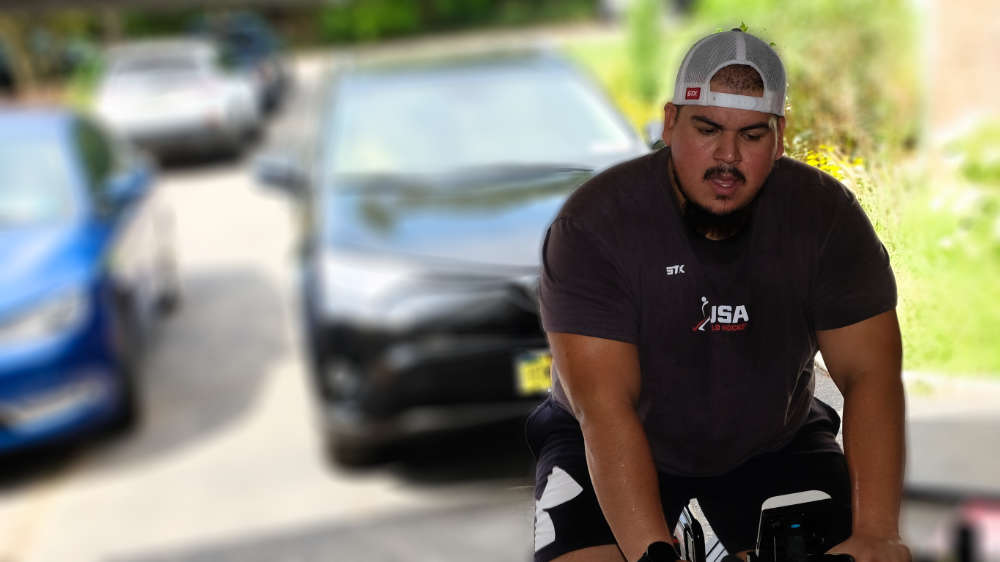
point(792, 528)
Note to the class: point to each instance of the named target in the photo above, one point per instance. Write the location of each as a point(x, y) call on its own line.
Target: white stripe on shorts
point(559, 489)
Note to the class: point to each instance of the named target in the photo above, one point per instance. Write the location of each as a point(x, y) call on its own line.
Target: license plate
point(532, 371)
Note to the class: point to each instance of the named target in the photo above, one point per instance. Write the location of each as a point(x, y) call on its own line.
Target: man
point(685, 294)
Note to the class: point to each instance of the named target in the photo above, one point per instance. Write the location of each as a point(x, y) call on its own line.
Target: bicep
point(869, 348)
point(854, 280)
point(597, 374)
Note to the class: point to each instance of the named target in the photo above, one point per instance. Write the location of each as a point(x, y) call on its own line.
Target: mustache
point(723, 171)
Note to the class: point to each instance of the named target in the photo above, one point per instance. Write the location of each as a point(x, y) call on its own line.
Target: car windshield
point(440, 121)
point(246, 43)
point(35, 184)
point(152, 63)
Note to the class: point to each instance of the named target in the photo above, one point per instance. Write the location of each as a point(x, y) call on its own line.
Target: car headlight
point(54, 316)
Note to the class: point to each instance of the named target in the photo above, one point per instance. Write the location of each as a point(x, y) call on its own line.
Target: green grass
point(854, 107)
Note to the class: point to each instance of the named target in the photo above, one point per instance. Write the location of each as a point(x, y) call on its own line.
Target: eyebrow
point(762, 124)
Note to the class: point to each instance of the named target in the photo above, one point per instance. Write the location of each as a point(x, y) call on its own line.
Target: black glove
point(660, 551)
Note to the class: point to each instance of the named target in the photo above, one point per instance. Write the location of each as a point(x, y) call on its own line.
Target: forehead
point(726, 116)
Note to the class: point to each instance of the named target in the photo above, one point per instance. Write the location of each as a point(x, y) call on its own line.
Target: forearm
point(603, 381)
point(625, 479)
point(874, 442)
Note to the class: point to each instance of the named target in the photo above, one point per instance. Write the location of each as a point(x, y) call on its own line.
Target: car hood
point(488, 221)
point(38, 259)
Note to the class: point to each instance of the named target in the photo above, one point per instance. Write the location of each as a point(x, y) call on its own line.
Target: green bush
point(368, 20)
point(145, 23)
point(852, 67)
point(644, 21)
point(979, 153)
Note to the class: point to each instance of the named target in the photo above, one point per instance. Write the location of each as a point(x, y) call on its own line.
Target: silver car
point(177, 95)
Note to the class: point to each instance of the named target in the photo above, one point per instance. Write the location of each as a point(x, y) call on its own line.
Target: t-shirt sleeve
point(583, 289)
point(855, 280)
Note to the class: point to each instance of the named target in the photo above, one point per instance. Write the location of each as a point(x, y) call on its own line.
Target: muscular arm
point(601, 379)
point(865, 361)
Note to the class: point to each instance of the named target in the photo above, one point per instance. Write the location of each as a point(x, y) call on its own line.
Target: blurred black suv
point(432, 185)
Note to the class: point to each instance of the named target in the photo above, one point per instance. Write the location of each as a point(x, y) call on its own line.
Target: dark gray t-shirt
point(726, 331)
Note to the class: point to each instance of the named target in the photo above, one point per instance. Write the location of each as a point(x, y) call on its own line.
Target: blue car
point(86, 265)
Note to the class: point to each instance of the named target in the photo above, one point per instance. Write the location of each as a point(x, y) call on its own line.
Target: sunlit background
point(267, 269)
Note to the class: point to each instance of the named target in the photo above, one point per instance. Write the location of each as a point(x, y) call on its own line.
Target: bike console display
point(798, 527)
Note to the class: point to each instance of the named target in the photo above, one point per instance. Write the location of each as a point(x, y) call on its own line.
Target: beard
point(705, 221)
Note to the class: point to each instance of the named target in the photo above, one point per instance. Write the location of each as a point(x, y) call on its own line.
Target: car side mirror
point(653, 132)
point(280, 171)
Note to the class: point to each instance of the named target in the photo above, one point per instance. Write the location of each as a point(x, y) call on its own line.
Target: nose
point(727, 149)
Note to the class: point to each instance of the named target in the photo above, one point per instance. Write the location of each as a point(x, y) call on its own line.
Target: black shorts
point(568, 517)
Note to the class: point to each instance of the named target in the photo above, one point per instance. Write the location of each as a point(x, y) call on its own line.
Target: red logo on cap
point(692, 93)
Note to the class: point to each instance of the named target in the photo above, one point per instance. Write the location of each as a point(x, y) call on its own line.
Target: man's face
point(721, 155)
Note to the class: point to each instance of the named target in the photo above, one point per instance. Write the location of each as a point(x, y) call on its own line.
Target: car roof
point(182, 45)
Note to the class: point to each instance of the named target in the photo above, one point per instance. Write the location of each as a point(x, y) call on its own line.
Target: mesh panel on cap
point(708, 56)
point(716, 51)
point(769, 65)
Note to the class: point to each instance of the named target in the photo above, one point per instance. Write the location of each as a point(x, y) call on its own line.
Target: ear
point(779, 137)
point(670, 116)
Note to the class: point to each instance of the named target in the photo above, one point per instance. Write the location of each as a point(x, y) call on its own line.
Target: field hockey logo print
point(722, 317)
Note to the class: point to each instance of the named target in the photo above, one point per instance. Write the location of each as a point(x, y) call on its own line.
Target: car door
point(119, 191)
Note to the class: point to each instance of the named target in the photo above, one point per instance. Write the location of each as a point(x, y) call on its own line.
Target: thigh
point(568, 518)
point(732, 502)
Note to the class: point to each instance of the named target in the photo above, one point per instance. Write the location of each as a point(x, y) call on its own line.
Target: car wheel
point(169, 300)
point(345, 452)
point(127, 345)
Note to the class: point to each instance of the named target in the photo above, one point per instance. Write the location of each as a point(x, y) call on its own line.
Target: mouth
point(725, 184)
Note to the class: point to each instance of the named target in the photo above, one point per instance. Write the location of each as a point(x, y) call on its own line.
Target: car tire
point(345, 453)
point(127, 345)
point(169, 301)
point(129, 414)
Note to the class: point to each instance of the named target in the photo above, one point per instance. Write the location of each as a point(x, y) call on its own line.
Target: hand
point(873, 549)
